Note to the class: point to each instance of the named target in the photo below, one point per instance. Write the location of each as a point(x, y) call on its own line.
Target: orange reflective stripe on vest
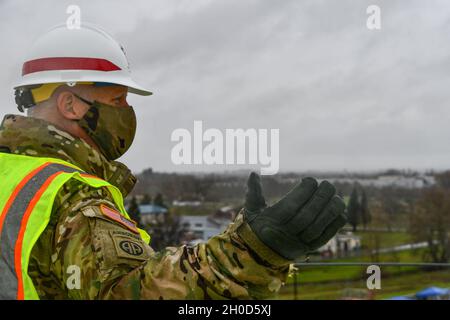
point(13, 222)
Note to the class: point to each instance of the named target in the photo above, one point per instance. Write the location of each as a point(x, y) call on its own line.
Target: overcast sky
point(343, 96)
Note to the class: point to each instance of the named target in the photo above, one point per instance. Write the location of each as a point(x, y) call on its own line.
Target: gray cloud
point(343, 97)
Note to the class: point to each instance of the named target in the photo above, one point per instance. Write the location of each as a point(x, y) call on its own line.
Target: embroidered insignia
point(116, 216)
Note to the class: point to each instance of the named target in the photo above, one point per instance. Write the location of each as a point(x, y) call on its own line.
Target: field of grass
point(386, 239)
point(392, 284)
point(317, 282)
point(316, 274)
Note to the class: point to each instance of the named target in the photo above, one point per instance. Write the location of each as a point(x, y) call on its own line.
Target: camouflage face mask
point(112, 128)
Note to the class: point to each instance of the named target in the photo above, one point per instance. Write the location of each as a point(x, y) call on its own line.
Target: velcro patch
point(129, 248)
point(116, 216)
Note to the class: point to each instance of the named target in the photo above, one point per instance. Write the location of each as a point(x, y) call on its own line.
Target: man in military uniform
point(90, 124)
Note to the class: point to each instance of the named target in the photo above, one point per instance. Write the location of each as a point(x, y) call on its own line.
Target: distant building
point(341, 245)
point(223, 216)
point(151, 213)
point(408, 182)
point(178, 203)
point(201, 228)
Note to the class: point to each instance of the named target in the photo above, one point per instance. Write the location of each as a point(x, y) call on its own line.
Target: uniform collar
point(35, 137)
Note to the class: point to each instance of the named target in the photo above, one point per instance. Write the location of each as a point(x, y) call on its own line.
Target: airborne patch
point(116, 216)
point(128, 247)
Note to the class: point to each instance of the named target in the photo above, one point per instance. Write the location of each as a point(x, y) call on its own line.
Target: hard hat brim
point(133, 87)
point(73, 76)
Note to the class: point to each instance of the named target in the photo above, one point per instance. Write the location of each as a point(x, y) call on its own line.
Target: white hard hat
point(87, 54)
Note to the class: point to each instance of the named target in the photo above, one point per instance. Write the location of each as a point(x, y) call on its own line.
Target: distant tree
point(159, 201)
point(133, 211)
point(202, 186)
point(147, 199)
point(393, 172)
point(166, 232)
point(364, 210)
point(147, 172)
point(392, 206)
point(443, 179)
point(353, 209)
point(430, 222)
point(373, 242)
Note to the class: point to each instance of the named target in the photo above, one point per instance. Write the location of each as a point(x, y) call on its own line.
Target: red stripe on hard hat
point(67, 63)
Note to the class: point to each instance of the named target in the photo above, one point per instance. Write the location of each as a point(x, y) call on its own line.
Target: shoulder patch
point(129, 248)
point(116, 216)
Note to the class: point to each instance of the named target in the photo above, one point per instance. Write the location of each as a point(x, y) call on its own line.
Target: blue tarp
point(432, 292)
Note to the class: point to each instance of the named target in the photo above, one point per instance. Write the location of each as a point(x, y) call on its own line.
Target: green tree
point(133, 211)
point(364, 210)
point(430, 222)
point(393, 206)
point(159, 200)
point(166, 232)
point(443, 179)
point(353, 209)
point(147, 199)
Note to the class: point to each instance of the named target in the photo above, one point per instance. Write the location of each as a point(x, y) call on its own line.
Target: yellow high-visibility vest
point(28, 187)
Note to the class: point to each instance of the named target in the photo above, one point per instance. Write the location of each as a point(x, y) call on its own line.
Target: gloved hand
point(304, 220)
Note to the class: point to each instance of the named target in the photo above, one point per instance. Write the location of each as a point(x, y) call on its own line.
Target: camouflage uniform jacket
point(79, 235)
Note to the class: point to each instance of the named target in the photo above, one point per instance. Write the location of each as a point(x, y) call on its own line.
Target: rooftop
point(151, 209)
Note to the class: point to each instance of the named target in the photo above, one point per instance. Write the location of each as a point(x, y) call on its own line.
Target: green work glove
point(304, 220)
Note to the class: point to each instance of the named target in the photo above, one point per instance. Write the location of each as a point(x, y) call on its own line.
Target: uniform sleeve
point(96, 257)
